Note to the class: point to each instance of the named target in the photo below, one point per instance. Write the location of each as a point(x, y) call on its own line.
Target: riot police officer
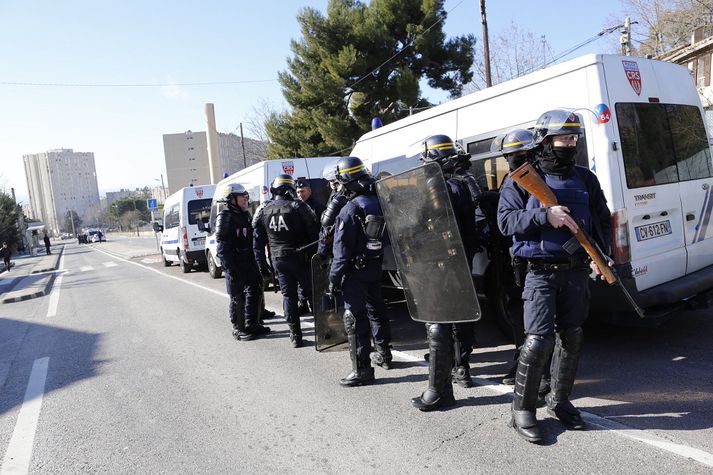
point(287, 224)
point(356, 271)
point(304, 193)
point(450, 345)
point(556, 290)
point(234, 234)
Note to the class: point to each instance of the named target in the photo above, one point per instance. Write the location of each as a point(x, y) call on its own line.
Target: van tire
point(185, 267)
point(166, 263)
point(214, 271)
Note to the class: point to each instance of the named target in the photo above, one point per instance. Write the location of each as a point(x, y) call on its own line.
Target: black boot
point(382, 356)
point(237, 318)
point(295, 335)
point(564, 370)
point(440, 390)
point(533, 357)
point(509, 378)
point(362, 373)
point(461, 369)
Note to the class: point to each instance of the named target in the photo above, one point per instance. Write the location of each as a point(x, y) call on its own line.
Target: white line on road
point(86, 268)
point(615, 427)
point(19, 451)
point(110, 264)
point(54, 296)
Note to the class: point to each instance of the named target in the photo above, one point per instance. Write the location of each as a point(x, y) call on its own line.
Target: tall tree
point(68, 217)
point(391, 44)
point(10, 214)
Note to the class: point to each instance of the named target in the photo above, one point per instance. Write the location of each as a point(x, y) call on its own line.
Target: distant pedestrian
point(47, 243)
point(5, 252)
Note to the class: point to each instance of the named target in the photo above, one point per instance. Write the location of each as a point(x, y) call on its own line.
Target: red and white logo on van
point(199, 192)
point(633, 75)
point(288, 167)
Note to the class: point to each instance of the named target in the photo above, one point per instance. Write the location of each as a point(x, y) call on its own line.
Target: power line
point(181, 84)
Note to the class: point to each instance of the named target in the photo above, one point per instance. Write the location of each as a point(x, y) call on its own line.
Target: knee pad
point(536, 347)
point(349, 322)
point(571, 339)
point(439, 333)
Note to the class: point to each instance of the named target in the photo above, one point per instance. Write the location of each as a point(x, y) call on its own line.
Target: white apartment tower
point(59, 181)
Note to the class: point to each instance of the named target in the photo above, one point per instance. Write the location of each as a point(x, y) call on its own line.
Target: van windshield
point(199, 209)
point(662, 143)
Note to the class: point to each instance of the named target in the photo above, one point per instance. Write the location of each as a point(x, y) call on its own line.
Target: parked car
point(95, 235)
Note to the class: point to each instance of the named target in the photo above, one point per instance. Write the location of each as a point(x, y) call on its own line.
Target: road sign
point(152, 203)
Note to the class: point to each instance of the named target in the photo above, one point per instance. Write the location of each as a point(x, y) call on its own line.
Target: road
point(128, 366)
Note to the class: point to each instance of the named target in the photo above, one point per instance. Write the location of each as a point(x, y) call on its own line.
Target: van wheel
point(166, 263)
point(504, 299)
point(185, 266)
point(213, 269)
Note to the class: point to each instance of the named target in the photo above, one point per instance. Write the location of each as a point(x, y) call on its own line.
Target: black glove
point(333, 290)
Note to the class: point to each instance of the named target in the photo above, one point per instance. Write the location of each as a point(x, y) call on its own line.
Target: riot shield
point(427, 245)
point(329, 332)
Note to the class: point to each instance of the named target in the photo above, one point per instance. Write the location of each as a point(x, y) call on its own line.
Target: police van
point(257, 179)
point(645, 139)
point(182, 242)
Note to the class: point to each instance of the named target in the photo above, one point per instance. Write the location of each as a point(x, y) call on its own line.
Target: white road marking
point(54, 296)
point(152, 260)
point(86, 268)
point(614, 427)
point(110, 264)
point(19, 451)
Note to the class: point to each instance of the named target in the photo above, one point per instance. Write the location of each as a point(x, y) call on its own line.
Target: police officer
point(450, 345)
point(304, 193)
point(556, 290)
point(287, 224)
point(356, 271)
point(234, 234)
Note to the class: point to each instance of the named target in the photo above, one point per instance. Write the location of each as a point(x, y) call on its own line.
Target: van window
point(662, 143)
point(170, 217)
point(199, 209)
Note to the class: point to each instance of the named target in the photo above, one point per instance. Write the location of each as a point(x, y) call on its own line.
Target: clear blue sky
point(139, 41)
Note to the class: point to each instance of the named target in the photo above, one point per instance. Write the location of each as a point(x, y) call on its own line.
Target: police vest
point(284, 226)
point(547, 244)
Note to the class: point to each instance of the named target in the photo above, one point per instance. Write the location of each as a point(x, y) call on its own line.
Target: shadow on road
point(71, 356)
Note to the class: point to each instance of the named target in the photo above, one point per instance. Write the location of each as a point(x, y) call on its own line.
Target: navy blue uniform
point(234, 234)
point(554, 300)
point(287, 224)
point(357, 270)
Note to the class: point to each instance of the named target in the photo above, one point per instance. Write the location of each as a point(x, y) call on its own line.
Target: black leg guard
point(440, 391)
point(295, 335)
point(509, 377)
point(382, 356)
point(461, 366)
point(362, 373)
point(564, 370)
point(533, 357)
point(237, 318)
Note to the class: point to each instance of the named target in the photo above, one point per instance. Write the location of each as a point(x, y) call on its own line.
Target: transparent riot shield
point(329, 332)
point(427, 245)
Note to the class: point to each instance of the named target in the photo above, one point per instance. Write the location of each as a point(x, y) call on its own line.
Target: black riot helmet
point(557, 122)
point(283, 185)
point(516, 146)
point(442, 150)
point(350, 169)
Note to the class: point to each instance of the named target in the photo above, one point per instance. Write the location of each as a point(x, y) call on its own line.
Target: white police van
point(644, 137)
point(257, 179)
point(181, 240)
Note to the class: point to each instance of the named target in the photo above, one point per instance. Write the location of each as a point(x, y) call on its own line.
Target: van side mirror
point(157, 228)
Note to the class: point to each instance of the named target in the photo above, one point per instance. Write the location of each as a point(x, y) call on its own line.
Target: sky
point(170, 43)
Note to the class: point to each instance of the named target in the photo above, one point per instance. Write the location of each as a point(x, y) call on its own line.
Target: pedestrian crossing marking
point(86, 268)
point(110, 264)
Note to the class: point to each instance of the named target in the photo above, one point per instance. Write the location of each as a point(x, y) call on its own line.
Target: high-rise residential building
point(187, 157)
point(59, 181)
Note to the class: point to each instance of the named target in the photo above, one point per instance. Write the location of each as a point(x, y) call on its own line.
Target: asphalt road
point(128, 366)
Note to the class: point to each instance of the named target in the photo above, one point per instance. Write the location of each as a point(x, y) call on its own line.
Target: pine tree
point(330, 106)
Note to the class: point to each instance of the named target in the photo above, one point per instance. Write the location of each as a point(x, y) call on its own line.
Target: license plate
point(653, 230)
point(199, 241)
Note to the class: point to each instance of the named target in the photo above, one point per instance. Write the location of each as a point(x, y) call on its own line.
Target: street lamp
point(162, 186)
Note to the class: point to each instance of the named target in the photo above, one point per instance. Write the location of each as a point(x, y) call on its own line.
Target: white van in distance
point(644, 137)
point(181, 240)
point(257, 179)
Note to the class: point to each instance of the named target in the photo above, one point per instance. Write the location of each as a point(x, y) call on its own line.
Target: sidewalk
point(29, 276)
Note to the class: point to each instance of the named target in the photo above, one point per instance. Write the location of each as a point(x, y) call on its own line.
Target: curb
point(38, 270)
point(39, 293)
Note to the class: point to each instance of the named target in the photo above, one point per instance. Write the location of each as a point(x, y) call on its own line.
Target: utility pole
point(242, 145)
point(486, 46)
point(625, 38)
point(71, 218)
point(164, 189)
point(544, 50)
